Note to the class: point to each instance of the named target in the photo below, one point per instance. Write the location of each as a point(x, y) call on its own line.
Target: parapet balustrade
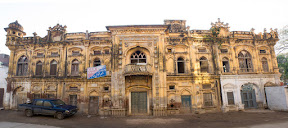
point(138, 68)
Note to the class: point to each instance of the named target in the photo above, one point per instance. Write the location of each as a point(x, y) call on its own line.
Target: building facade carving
point(153, 69)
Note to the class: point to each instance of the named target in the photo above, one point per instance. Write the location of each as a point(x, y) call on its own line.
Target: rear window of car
point(47, 104)
point(39, 102)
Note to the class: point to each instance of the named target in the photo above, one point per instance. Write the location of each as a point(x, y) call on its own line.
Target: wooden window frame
point(202, 68)
point(230, 98)
point(208, 102)
point(96, 62)
point(180, 68)
point(138, 57)
point(53, 68)
point(22, 66)
point(38, 70)
point(75, 67)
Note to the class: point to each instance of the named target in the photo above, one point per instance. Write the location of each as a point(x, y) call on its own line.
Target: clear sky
point(93, 15)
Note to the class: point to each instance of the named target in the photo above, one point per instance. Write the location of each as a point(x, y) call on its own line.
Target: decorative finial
point(220, 24)
point(87, 35)
point(34, 33)
point(252, 30)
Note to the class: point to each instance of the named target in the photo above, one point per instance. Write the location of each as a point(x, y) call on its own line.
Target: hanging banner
point(95, 72)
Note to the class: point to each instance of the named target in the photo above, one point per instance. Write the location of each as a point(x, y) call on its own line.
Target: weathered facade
point(153, 69)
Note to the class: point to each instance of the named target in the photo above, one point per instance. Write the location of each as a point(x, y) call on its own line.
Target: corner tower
point(14, 32)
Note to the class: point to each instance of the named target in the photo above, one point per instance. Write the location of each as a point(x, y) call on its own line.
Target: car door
point(38, 104)
point(47, 108)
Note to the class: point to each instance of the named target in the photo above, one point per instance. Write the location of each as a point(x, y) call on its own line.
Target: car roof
point(47, 99)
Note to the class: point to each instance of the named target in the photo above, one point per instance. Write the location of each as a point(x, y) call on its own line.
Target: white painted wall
point(3, 83)
point(277, 98)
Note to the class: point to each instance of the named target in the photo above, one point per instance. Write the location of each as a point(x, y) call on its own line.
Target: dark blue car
point(54, 107)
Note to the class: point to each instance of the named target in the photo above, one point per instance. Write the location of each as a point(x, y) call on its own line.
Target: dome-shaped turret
point(15, 29)
point(15, 25)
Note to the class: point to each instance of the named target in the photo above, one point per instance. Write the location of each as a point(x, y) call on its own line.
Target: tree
point(282, 45)
point(282, 60)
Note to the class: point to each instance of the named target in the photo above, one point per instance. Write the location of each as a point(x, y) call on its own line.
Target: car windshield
point(58, 102)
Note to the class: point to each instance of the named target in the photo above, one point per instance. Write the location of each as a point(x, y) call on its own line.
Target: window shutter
point(53, 69)
point(207, 99)
point(39, 69)
point(230, 97)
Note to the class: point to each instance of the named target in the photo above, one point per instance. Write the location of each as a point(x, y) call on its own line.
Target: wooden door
point(139, 102)
point(186, 102)
point(249, 99)
point(21, 98)
point(73, 100)
point(1, 97)
point(93, 105)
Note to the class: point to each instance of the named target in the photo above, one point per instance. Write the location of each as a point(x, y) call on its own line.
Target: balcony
point(137, 69)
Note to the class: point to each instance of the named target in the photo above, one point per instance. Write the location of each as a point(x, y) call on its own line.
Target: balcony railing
point(138, 69)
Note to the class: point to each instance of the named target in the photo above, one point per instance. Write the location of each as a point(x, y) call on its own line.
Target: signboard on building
point(96, 72)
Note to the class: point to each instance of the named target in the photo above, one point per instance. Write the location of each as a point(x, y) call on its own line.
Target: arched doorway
point(139, 99)
point(20, 96)
point(248, 96)
point(185, 101)
point(93, 103)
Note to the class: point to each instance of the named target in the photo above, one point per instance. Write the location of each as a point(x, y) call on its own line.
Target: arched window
point(96, 62)
point(225, 62)
point(203, 64)
point(75, 67)
point(138, 57)
point(265, 64)
point(22, 66)
point(245, 61)
point(180, 65)
point(38, 68)
point(53, 68)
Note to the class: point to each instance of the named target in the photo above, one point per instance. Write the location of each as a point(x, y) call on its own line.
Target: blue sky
point(79, 16)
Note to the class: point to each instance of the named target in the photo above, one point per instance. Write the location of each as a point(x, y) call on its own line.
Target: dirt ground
point(208, 120)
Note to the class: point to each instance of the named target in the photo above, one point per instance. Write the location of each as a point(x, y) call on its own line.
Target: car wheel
point(28, 113)
point(59, 116)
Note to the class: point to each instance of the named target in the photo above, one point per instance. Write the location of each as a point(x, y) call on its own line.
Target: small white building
point(246, 91)
point(4, 97)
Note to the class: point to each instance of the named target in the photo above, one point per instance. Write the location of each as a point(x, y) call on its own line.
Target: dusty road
point(251, 119)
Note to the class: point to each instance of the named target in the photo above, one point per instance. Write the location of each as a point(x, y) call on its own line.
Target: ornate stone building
point(153, 69)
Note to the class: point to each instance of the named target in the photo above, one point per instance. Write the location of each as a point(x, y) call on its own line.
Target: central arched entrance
point(138, 80)
point(248, 96)
point(139, 99)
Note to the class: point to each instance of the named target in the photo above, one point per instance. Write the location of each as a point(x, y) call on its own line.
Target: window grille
point(138, 57)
